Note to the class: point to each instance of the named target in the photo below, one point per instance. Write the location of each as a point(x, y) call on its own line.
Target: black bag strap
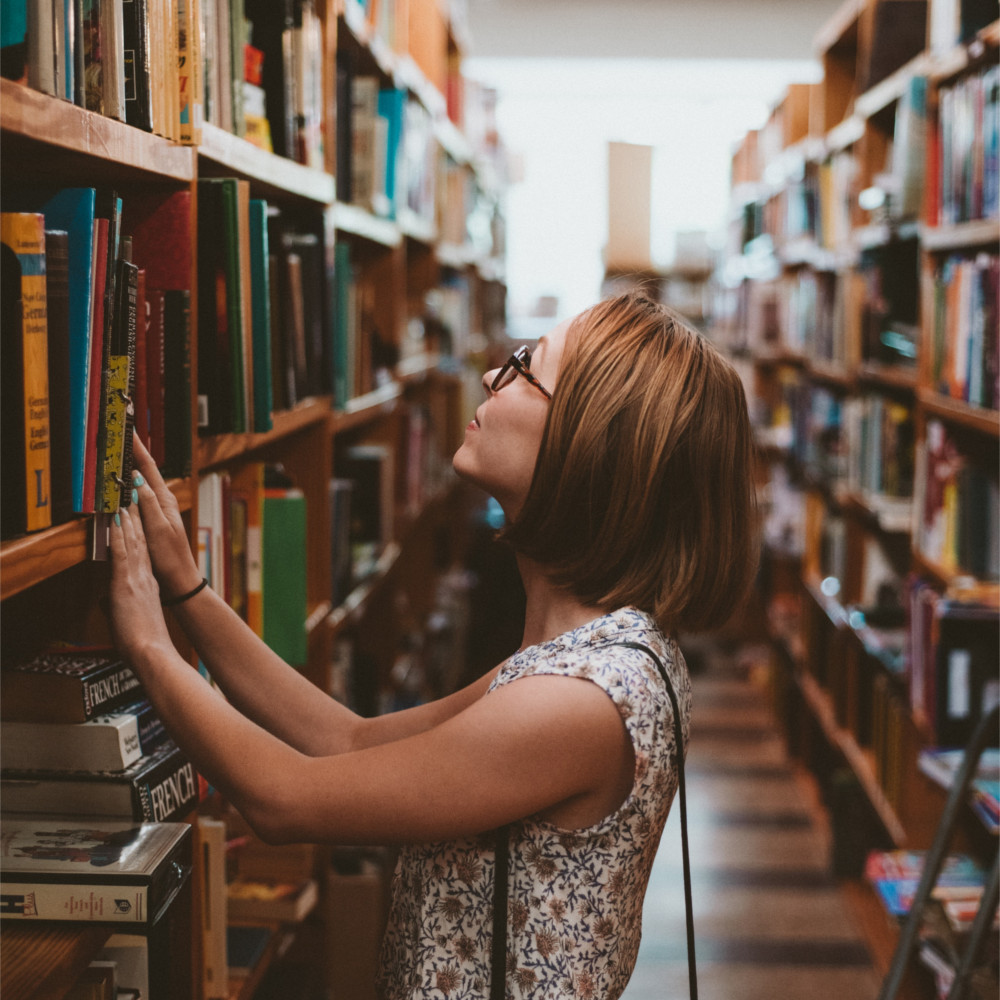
point(498, 978)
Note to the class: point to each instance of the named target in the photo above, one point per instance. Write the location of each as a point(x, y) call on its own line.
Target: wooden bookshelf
point(843, 671)
point(397, 262)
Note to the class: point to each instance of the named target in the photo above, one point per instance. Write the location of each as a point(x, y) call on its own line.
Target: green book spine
point(284, 573)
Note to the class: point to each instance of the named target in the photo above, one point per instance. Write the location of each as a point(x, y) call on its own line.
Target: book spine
point(113, 686)
point(54, 901)
point(170, 791)
point(135, 30)
point(131, 295)
point(60, 448)
point(23, 236)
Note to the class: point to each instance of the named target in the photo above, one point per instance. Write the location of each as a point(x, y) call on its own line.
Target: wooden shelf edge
point(45, 959)
point(819, 701)
point(32, 559)
point(977, 232)
point(957, 411)
point(222, 448)
point(32, 115)
point(255, 164)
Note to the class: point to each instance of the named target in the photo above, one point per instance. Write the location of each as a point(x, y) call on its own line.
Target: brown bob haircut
point(643, 491)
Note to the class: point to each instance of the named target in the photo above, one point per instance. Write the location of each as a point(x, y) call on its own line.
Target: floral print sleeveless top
point(575, 896)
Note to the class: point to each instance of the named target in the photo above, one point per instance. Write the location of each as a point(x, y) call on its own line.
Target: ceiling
point(647, 29)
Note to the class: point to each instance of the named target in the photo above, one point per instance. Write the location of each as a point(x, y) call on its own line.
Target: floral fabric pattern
point(575, 896)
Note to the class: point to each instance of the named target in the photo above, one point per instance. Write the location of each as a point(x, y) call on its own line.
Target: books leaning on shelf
point(123, 873)
point(941, 764)
point(135, 61)
point(158, 787)
point(271, 901)
point(896, 875)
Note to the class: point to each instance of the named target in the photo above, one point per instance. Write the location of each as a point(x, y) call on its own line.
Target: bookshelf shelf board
point(317, 616)
point(832, 374)
point(415, 228)
point(348, 612)
point(888, 376)
point(847, 133)
point(964, 55)
point(45, 961)
point(892, 88)
point(453, 141)
point(354, 220)
point(371, 405)
point(276, 173)
point(980, 232)
point(40, 120)
point(956, 411)
point(956, 582)
point(31, 559)
point(417, 368)
point(455, 256)
point(857, 759)
point(832, 608)
point(222, 448)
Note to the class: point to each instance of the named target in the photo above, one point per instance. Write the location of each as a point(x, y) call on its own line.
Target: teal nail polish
point(137, 479)
point(118, 519)
point(135, 496)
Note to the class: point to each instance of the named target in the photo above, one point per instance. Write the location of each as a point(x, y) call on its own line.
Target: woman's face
point(502, 441)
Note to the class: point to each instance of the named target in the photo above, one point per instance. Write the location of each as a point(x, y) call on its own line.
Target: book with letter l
point(24, 338)
point(159, 787)
point(70, 686)
point(95, 871)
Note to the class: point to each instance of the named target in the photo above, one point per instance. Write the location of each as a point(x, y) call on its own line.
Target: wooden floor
point(770, 921)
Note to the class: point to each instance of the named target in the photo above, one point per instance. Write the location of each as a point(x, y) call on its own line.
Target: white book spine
point(54, 901)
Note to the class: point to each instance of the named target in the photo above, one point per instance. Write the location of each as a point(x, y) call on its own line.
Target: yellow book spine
point(114, 420)
point(24, 233)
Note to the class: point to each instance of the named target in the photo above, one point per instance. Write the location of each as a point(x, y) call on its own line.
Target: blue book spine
point(260, 292)
point(73, 210)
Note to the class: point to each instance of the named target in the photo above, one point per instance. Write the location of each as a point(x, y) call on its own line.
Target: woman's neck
point(549, 610)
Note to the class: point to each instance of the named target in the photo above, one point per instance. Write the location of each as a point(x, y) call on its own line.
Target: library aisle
point(770, 920)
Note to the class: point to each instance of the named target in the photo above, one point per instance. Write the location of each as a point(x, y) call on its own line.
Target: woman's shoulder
point(605, 644)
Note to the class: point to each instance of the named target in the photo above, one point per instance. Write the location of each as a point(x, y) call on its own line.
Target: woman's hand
point(137, 621)
point(169, 550)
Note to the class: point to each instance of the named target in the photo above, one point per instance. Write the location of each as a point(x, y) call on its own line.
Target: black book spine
point(138, 93)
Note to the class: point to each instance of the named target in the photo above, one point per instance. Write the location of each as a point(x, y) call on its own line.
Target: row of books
point(387, 152)
point(895, 875)
point(965, 154)
point(135, 61)
point(263, 74)
point(942, 765)
point(965, 348)
point(953, 650)
point(102, 351)
point(252, 549)
point(956, 506)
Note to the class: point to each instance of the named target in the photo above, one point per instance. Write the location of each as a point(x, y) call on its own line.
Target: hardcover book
point(105, 743)
point(95, 871)
point(24, 338)
point(70, 686)
point(157, 788)
point(57, 265)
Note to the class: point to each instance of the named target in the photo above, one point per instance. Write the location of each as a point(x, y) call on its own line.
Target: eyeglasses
point(518, 364)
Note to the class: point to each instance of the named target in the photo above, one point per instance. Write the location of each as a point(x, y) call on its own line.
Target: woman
point(620, 451)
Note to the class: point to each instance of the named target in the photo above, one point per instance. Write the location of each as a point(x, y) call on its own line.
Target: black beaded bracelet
point(172, 601)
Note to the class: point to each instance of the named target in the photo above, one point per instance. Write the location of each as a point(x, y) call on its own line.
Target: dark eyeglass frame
point(518, 364)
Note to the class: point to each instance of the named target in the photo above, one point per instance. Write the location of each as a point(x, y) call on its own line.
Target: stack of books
point(79, 738)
